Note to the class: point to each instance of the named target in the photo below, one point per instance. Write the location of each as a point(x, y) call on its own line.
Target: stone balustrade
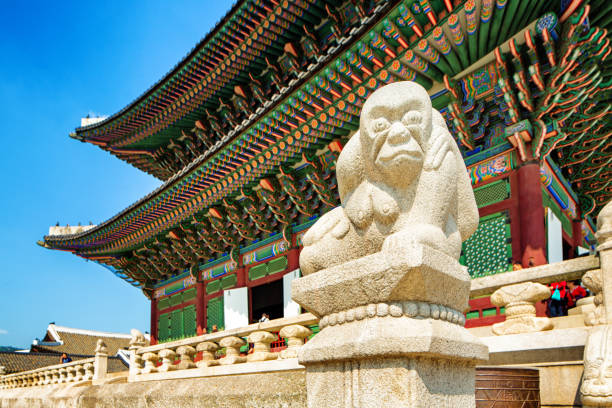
point(73, 372)
point(199, 356)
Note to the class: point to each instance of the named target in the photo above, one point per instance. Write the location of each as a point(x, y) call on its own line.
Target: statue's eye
point(379, 125)
point(412, 117)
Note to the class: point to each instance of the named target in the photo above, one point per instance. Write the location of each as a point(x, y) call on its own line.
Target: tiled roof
point(16, 362)
point(78, 341)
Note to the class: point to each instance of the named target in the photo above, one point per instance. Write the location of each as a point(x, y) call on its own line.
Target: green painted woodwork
point(472, 315)
point(176, 324)
point(213, 286)
point(176, 300)
point(488, 251)
point(163, 304)
point(492, 193)
point(228, 282)
point(258, 271)
point(173, 288)
point(189, 321)
point(489, 312)
point(214, 313)
point(277, 265)
point(189, 294)
point(163, 327)
point(269, 268)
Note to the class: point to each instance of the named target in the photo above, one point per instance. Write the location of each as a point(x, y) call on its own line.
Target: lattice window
point(163, 327)
point(492, 193)
point(163, 304)
point(189, 321)
point(176, 324)
point(489, 250)
point(214, 313)
point(229, 281)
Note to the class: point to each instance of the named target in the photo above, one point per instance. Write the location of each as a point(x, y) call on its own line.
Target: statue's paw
point(439, 147)
point(395, 246)
point(324, 225)
point(341, 228)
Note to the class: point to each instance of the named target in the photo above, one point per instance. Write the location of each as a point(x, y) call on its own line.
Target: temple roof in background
point(245, 130)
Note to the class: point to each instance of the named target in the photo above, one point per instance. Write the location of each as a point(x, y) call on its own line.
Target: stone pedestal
point(392, 332)
point(519, 301)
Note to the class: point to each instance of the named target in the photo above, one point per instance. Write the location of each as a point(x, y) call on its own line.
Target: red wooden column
point(293, 259)
point(153, 320)
point(200, 307)
point(531, 215)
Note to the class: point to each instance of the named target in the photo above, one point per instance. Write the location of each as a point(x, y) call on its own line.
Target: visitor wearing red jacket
point(576, 292)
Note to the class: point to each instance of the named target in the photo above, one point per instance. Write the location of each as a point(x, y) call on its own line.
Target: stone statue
point(382, 272)
point(101, 347)
point(137, 339)
point(401, 179)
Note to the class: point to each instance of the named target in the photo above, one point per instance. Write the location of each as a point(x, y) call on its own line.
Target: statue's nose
point(398, 133)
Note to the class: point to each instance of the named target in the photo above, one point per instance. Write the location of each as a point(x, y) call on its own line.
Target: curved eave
point(166, 78)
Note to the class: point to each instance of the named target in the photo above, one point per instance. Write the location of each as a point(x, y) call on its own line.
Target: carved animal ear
point(349, 167)
point(358, 205)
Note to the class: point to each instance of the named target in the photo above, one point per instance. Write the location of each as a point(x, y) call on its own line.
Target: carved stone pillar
point(186, 354)
point(232, 350)
point(100, 361)
point(261, 347)
point(150, 361)
point(89, 371)
point(167, 357)
point(208, 349)
point(136, 341)
point(295, 335)
point(596, 388)
point(519, 301)
point(63, 375)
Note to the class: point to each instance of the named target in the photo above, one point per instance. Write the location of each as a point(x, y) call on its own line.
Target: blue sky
point(61, 61)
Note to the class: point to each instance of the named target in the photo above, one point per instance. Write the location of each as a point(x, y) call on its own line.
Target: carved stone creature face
point(395, 125)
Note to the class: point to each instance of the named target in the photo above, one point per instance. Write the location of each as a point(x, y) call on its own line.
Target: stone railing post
point(186, 354)
point(55, 376)
point(63, 375)
point(295, 335)
point(100, 361)
point(89, 371)
point(519, 301)
point(261, 346)
point(167, 357)
point(137, 341)
point(208, 349)
point(596, 388)
point(150, 361)
point(79, 372)
point(232, 346)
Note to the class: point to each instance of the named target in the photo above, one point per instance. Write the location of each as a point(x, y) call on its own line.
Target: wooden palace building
point(246, 129)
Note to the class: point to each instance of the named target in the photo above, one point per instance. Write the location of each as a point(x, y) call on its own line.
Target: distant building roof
point(17, 361)
point(60, 339)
